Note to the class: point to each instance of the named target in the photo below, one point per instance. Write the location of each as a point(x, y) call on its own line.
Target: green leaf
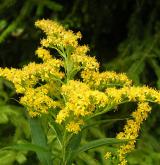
point(26, 147)
point(39, 138)
point(9, 109)
point(156, 68)
point(21, 158)
point(72, 147)
point(58, 131)
point(88, 159)
point(7, 157)
point(6, 111)
point(3, 24)
point(99, 143)
point(76, 150)
point(3, 118)
point(136, 69)
point(104, 121)
point(74, 142)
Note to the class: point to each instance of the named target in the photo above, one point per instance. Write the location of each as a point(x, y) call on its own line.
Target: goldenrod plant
point(66, 90)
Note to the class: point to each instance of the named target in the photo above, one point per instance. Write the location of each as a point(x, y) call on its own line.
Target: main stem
point(68, 69)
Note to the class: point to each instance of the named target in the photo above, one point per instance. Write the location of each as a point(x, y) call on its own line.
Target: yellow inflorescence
point(80, 59)
point(57, 35)
point(133, 94)
point(105, 79)
point(108, 155)
point(37, 101)
point(131, 130)
point(74, 126)
point(43, 54)
point(52, 86)
point(80, 101)
point(30, 75)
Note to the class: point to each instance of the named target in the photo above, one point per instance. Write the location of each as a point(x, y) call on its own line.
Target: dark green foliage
point(13, 125)
point(139, 54)
point(17, 29)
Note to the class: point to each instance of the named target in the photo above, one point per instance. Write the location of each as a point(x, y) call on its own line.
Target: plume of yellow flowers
point(57, 35)
point(131, 130)
point(70, 86)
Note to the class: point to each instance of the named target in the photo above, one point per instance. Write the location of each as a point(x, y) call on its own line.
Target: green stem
point(100, 113)
point(64, 149)
point(108, 108)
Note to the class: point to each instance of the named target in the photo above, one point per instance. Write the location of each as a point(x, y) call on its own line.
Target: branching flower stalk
point(69, 87)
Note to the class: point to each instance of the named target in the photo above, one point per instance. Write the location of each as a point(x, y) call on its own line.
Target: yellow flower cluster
point(133, 94)
point(31, 74)
point(131, 130)
point(57, 35)
point(37, 102)
point(81, 60)
point(43, 54)
point(74, 126)
point(80, 101)
point(108, 155)
point(103, 80)
point(25, 80)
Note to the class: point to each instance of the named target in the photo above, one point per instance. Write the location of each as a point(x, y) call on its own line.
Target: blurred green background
point(123, 35)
